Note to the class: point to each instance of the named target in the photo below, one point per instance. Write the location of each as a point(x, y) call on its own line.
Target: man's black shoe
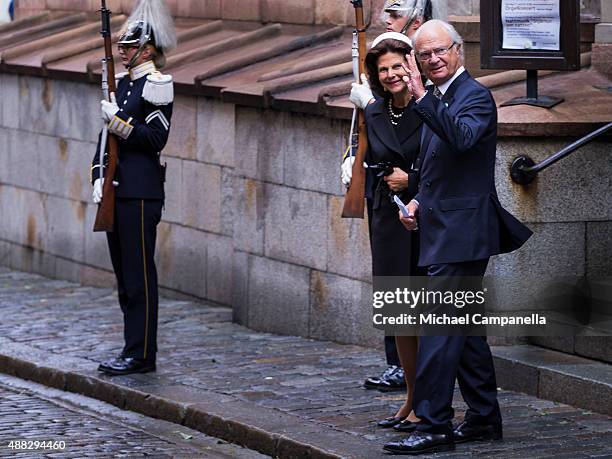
point(390, 421)
point(405, 426)
point(420, 443)
point(126, 366)
point(391, 380)
point(467, 431)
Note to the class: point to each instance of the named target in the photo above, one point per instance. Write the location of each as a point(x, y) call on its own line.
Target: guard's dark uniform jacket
point(142, 127)
point(144, 97)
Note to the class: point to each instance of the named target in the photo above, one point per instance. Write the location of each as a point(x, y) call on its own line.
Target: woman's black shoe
point(390, 422)
point(405, 426)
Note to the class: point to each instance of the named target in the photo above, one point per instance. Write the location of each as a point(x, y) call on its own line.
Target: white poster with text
point(531, 24)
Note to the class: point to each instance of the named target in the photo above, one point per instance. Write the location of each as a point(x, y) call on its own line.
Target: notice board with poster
point(530, 34)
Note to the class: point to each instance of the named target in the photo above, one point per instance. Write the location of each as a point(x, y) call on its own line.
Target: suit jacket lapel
point(447, 99)
point(426, 133)
point(449, 95)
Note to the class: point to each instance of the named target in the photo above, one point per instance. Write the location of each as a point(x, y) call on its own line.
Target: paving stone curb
point(253, 427)
point(555, 376)
point(543, 373)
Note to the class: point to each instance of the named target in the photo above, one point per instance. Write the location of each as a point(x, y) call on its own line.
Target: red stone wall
point(288, 11)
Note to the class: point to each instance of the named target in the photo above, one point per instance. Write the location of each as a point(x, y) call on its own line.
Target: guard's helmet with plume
point(150, 23)
point(413, 9)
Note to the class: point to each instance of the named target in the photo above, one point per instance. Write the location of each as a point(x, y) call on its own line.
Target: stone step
point(556, 376)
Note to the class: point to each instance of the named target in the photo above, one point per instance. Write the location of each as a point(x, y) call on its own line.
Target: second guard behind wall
point(139, 115)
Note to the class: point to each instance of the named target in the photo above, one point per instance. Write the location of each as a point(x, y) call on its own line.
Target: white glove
point(347, 170)
point(109, 109)
point(361, 94)
point(96, 195)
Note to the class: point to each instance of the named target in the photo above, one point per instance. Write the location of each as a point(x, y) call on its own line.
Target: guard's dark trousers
point(132, 250)
point(442, 359)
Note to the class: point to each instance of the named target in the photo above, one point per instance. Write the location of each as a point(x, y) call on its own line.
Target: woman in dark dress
point(394, 134)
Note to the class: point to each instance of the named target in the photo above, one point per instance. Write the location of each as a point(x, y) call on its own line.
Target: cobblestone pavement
point(41, 422)
point(262, 375)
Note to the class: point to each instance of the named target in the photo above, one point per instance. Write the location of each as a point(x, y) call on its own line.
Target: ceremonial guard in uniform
point(139, 115)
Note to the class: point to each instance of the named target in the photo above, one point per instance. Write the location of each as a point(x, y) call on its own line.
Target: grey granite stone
point(348, 243)
point(603, 33)
point(564, 387)
point(565, 192)
point(216, 132)
point(32, 260)
point(558, 343)
point(278, 297)
point(65, 228)
point(595, 347)
point(181, 259)
point(599, 249)
point(201, 196)
point(257, 145)
point(64, 167)
point(250, 215)
point(96, 245)
point(26, 152)
point(60, 108)
point(296, 226)
point(69, 270)
point(182, 141)
point(228, 201)
point(24, 217)
point(11, 105)
point(312, 148)
point(173, 189)
point(7, 140)
point(219, 254)
point(334, 298)
point(240, 287)
point(553, 256)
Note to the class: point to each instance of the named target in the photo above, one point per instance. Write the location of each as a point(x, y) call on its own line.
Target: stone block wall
point(287, 11)
point(252, 217)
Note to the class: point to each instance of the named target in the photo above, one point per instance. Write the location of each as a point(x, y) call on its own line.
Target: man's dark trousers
point(132, 250)
point(442, 359)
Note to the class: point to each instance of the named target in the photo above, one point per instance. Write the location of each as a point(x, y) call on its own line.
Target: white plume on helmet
point(413, 9)
point(154, 17)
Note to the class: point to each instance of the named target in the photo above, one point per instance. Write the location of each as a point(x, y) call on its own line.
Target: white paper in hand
point(402, 206)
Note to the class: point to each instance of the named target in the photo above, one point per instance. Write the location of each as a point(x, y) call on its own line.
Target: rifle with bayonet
point(354, 200)
point(105, 218)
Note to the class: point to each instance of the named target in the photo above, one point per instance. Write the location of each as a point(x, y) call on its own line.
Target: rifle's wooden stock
point(354, 200)
point(105, 218)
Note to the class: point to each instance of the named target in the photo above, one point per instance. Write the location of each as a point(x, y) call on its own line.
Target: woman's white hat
point(392, 36)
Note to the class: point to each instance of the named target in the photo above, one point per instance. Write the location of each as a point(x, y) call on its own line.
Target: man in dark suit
point(462, 224)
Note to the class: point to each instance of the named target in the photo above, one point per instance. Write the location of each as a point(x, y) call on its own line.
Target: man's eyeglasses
point(427, 55)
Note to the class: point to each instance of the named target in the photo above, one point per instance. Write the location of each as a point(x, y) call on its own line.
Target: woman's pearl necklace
point(394, 116)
